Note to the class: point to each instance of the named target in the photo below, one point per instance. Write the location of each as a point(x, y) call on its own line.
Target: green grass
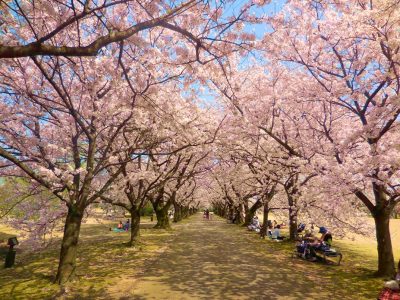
point(107, 269)
point(353, 279)
point(103, 261)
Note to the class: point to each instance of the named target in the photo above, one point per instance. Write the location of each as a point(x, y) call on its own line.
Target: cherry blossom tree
point(347, 56)
point(84, 28)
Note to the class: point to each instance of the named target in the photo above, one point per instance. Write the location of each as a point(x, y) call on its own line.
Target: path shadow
point(215, 260)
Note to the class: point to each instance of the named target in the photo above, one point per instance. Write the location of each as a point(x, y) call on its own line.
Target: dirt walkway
point(216, 260)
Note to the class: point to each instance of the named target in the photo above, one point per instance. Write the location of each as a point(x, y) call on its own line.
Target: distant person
point(270, 228)
point(276, 233)
point(119, 228)
point(269, 224)
point(309, 236)
point(326, 236)
point(207, 214)
point(274, 224)
point(120, 225)
point(325, 241)
point(255, 224)
point(127, 225)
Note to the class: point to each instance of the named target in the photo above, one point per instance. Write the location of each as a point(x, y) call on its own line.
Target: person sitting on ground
point(119, 228)
point(269, 231)
point(276, 233)
point(120, 225)
point(255, 224)
point(127, 225)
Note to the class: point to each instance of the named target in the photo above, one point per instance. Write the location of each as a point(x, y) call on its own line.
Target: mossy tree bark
point(161, 208)
point(69, 245)
point(292, 193)
point(381, 212)
point(135, 226)
point(178, 215)
point(162, 218)
point(385, 249)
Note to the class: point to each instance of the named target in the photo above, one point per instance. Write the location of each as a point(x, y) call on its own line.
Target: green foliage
point(147, 210)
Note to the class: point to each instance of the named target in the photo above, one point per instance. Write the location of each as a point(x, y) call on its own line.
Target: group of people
point(273, 231)
point(207, 214)
point(309, 244)
point(122, 227)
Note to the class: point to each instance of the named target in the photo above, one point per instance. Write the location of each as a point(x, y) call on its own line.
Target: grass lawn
point(106, 268)
point(103, 263)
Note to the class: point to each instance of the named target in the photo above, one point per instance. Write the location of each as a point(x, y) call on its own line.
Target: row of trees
point(100, 102)
point(110, 101)
point(318, 128)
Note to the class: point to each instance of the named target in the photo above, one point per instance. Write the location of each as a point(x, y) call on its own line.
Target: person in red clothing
point(120, 225)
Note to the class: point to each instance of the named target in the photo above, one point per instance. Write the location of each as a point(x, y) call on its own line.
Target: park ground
point(197, 259)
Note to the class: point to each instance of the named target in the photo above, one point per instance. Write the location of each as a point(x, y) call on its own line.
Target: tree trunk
point(246, 207)
point(251, 212)
point(162, 218)
point(293, 223)
point(178, 213)
point(232, 213)
point(385, 250)
point(292, 217)
point(69, 245)
point(264, 228)
point(241, 214)
point(135, 226)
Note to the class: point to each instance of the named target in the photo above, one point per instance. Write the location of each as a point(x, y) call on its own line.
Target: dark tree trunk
point(223, 212)
point(251, 212)
point(178, 213)
point(162, 218)
point(232, 212)
point(293, 224)
point(69, 245)
point(292, 217)
point(264, 227)
point(185, 212)
point(385, 250)
point(381, 212)
point(135, 226)
point(238, 215)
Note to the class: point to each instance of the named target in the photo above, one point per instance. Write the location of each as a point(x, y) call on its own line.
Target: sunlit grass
point(107, 267)
point(103, 261)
